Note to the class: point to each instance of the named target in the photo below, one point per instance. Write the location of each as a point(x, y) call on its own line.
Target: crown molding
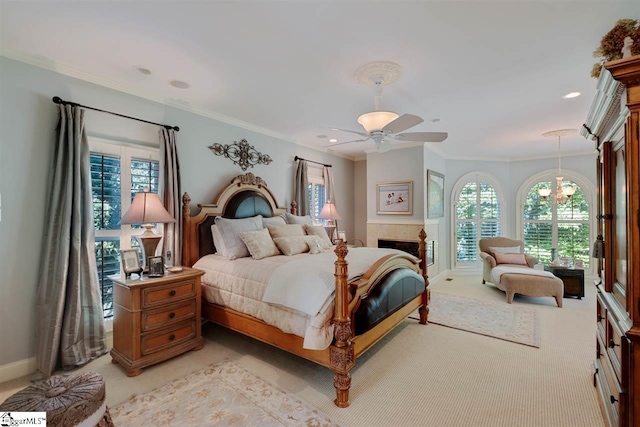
point(71, 71)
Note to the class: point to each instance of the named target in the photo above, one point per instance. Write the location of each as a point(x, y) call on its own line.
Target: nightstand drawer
point(160, 341)
point(157, 295)
point(166, 317)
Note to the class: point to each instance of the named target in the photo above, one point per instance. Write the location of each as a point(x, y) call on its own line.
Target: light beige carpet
point(516, 323)
point(221, 394)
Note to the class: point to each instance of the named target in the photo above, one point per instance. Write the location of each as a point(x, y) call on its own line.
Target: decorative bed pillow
point(259, 243)
point(318, 230)
point(295, 219)
point(293, 245)
point(504, 250)
point(274, 220)
point(513, 258)
point(217, 241)
point(230, 230)
point(286, 230)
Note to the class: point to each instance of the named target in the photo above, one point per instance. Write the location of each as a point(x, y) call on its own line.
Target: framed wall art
point(395, 198)
point(435, 194)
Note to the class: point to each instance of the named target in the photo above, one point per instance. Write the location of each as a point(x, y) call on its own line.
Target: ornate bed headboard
point(247, 195)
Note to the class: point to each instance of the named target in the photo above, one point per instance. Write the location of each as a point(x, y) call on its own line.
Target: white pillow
point(505, 250)
point(318, 230)
point(230, 230)
point(295, 219)
point(259, 243)
point(274, 220)
point(293, 245)
point(286, 230)
point(218, 242)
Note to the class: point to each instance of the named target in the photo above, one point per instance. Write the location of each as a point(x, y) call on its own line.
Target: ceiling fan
point(382, 127)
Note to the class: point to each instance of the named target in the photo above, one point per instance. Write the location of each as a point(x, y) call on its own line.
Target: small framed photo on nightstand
point(130, 262)
point(156, 266)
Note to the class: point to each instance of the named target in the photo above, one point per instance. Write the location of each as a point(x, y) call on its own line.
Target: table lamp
point(329, 212)
point(147, 209)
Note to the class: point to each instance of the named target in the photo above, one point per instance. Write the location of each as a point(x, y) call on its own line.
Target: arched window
point(550, 225)
point(477, 212)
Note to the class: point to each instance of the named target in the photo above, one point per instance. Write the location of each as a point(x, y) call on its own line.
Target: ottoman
point(532, 286)
point(75, 399)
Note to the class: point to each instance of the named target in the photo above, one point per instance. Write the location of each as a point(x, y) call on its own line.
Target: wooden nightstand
point(155, 318)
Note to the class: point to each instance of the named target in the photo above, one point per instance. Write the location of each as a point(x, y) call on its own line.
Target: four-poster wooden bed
point(357, 320)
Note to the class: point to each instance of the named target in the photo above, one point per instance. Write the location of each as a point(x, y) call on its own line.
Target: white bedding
point(241, 285)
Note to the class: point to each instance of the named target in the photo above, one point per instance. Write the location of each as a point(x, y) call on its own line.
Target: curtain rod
point(318, 163)
point(58, 100)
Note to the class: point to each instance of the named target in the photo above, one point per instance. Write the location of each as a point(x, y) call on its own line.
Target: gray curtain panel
point(169, 193)
point(327, 172)
point(301, 188)
point(71, 328)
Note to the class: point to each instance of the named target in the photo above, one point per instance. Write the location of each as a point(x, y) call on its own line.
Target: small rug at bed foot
point(508, 322)
point(220, 394)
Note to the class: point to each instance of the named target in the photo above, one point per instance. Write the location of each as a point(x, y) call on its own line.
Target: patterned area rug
point(504, 321)
point(221, 394)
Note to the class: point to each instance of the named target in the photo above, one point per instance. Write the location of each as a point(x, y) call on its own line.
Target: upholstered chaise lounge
point(505, 265)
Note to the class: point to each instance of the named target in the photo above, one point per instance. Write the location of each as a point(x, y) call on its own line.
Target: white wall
point(28, 119)
point(360, 202)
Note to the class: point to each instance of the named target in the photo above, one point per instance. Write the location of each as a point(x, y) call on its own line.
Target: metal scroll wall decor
point(241, 153)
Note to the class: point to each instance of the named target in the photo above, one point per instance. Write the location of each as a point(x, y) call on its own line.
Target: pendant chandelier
point(562, 194)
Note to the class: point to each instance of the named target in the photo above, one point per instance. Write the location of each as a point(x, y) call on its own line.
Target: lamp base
point(148, 242)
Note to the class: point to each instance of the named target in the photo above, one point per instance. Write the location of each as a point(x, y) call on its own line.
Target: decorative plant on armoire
point(614, 42)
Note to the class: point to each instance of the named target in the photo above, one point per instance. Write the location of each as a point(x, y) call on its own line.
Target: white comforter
point(242, 284)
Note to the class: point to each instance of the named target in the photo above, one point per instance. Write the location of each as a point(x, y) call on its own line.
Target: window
point(478, 215)
point(317, 196)
point(117, 173)
point(564, 227)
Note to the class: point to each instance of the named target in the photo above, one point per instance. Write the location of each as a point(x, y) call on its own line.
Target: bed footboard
point(343, 350)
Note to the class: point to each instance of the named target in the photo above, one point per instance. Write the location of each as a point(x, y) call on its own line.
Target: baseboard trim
point(18, 369)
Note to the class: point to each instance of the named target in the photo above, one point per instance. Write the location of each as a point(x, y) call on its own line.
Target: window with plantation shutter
point(548, 225)
point(317, 196)
point(117, 174)
point(477, 215)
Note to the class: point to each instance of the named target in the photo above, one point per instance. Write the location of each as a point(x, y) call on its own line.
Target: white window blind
point(117, 173)
point(562, 227)
point(477, 216)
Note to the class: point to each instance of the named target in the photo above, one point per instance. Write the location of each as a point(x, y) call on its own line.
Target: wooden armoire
point(613, 124)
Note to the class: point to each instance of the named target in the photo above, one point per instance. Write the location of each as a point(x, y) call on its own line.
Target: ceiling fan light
point(376, 120)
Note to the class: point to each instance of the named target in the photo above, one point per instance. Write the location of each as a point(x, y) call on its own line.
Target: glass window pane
point(576, 207)
point(467, 241)
point(573, 241)
point(538, 240)
point(489, 205)
point(489, 229)
point(105, 189)
point(108, 262)
point(535, 207)
point(466, 206)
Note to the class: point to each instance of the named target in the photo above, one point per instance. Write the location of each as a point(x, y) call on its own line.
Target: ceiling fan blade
point(403, 122)
point(421, 136)
point(384, 146)
point(346, 142)
point(351, 131)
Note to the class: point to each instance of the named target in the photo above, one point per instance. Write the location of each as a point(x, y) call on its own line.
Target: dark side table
point(573, 279)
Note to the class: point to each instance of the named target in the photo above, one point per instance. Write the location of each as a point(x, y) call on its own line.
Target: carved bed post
point(294, 207)
point(342, 352)
point(186, 230)
point(426, 295)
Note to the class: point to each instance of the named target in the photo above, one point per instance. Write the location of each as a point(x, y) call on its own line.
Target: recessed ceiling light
point(179, 84)
point(571, 95)
point(321, 136)
point(142, 70)
point(435, 120)
point(333, 140)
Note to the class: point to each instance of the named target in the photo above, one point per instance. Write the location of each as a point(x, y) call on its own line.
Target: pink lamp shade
point(147, 209)
point(330, 212)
